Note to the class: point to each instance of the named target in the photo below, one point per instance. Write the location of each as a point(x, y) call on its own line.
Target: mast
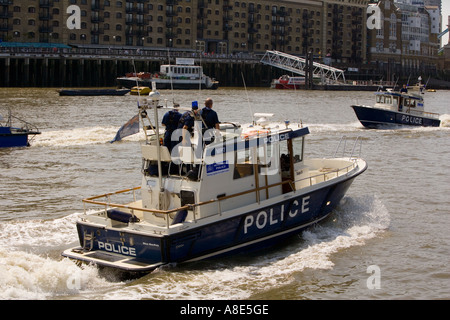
point(154, 96)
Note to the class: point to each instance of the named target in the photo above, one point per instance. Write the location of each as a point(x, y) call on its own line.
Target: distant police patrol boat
point(247, 189)
point(396, 109)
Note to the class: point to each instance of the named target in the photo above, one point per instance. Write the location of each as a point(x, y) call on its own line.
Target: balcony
point(5, 27)
point(45, 29)
point(45, 3)
point(97, 31)
point(6, 15)
point(45, 16)
point(171, 13)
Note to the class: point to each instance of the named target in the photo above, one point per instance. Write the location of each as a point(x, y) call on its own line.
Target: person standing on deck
point(170, 121)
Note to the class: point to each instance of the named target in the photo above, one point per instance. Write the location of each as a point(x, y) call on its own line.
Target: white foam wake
point(81, 136)
point(31, 266)
point(445, 120)
point(357, 221)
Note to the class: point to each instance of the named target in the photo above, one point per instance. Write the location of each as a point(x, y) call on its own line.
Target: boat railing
point(342, 147)
point(423, 113)
point(18, 123)
point(325, 175)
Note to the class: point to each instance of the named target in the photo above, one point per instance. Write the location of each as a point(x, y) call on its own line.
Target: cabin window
point(243, 166)
point(187, 197)
point(388, 100)
point(406, 102)
point(395, 101)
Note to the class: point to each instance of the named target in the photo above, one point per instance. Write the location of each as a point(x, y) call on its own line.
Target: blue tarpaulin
point(129, 128)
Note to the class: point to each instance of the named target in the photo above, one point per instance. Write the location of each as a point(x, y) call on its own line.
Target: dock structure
point(297, 65)
point(54, 65)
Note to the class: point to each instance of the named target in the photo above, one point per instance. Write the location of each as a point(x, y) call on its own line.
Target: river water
point(388, 239)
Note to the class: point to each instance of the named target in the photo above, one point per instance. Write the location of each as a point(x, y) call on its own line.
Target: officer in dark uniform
point(210, 118)
point(210, 121)
point(170, 121)
point(187, 119)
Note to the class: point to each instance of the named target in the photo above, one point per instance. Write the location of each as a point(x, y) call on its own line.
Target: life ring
point(252, 133)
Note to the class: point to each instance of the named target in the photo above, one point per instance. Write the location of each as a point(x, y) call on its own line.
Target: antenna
point(170, 75)
point(248, 100)
point(137, 82)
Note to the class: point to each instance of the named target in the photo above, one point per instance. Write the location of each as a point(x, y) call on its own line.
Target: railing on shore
point(124, 54)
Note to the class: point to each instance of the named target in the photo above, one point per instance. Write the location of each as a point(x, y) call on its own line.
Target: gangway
point(440, 35)
point(297, 65)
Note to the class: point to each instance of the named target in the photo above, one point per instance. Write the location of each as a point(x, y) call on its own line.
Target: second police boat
point(397, 109)
point(248, 189)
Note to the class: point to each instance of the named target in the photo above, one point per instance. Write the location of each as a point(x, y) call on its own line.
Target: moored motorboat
point(396, 109)
point(140, 91)
point(248, 188)
point(288, 82)
point(182, 75)
point(93, 92)
point(15, 132)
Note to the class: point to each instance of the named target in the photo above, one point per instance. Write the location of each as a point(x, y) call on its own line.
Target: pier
point(88, 67)
point(65, 67)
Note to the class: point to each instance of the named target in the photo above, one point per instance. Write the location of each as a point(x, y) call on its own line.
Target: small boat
point(288, 82)
point(93, 92)
point(183, 75)
point(250, 188)
point(15, 132)
point(142, 91)
point(397, 109)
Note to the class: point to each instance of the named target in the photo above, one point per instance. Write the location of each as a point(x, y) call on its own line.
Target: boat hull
point(253, 229)
point(177, 84)
point(374, 118)
point(288, 86)
point(94, 92)
point(14, 137)
point(13, 140)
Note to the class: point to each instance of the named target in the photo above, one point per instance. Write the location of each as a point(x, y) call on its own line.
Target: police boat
point(397, 109)
point(216, 193)
point(15, 132)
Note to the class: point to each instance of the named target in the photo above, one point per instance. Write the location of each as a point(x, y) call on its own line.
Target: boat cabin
point(184, 68)
point(399, 102)
point(181, 71)
point(240, 168)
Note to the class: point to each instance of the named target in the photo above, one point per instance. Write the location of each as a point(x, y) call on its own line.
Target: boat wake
point(445, 120)
point(32, 268)
point(355, 222)
point(81, 136)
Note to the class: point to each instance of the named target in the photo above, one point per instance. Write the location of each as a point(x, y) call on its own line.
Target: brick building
point(333, 27)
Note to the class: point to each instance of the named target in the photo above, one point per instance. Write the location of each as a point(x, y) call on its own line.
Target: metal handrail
point(92, 200)
point(344, 139)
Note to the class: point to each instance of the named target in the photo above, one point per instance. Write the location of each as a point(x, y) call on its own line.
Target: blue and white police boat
point(397, 109)
point(15, 132)
point(249, 188)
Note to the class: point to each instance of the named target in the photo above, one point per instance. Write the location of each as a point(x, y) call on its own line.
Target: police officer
point(170, 121)
point(187, 119)
point(210, 118)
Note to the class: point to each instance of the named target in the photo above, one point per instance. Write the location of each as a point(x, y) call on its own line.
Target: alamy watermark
point(374, 280)
point(374, 20)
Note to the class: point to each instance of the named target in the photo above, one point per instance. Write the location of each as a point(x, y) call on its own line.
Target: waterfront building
point(327, 27)
point(335, 31)
point(407, 41)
